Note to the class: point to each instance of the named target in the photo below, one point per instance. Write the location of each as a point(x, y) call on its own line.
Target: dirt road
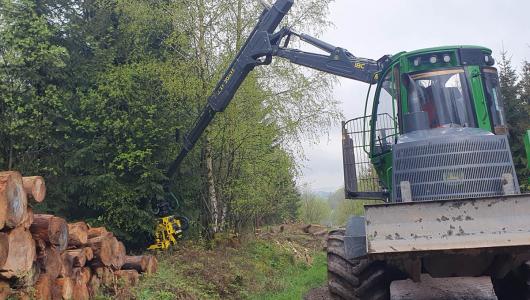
point(429, 289)
point(320, 293)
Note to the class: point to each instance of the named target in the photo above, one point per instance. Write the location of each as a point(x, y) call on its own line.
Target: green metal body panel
point(383, 166)
point(479, 98)
point(527, 148)
point(404, 61)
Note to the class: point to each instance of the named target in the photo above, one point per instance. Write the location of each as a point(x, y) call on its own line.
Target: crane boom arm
point(339, 61)
point(262, 44)
point(256, 51)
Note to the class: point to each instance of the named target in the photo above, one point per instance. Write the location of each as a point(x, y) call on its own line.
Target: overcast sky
point(373, 28)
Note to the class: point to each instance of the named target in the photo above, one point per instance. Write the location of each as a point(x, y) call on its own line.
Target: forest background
point(93, 91)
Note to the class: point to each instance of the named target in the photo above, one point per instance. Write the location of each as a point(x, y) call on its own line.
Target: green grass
point(259, 269)
point(167, 284)
point(298, 281)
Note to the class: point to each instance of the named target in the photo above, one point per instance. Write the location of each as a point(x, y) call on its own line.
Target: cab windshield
point(443, 95)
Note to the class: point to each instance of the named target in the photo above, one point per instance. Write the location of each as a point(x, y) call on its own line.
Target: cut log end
point(58, 233)
point(33, 249)
point(138, 263)
point(4, 248)
point(102, 248)
point(105, 275)
point(28, 219)
point(77, 234)
point(118, 254)
point(93, 286)
point(35, 186)
point(51, 263)
point(14, 198)
point(5, 290)
point(80, 291)
point(65, 287)
point(127, 277)
point(152, 265)
point(97, 232)
point(21, 253)
point(89, 254)
point(51, 229)
point(43, 288)
point(78, 257)
point(67, 265)
point(85, 275)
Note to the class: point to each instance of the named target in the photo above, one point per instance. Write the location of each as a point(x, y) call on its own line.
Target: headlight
point(433, 59)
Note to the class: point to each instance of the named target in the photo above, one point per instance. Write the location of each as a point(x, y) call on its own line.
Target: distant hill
point(322, 194)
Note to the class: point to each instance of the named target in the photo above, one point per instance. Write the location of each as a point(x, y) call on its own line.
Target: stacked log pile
point(44, 257)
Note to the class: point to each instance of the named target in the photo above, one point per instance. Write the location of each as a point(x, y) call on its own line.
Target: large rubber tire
point(357, 279)
point(515, 285)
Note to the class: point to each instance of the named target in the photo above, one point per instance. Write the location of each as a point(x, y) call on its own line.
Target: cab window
point(442, 96)
point(494, 98)
point(385, 133)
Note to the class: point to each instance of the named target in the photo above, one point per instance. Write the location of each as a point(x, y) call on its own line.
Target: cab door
point(385, 124)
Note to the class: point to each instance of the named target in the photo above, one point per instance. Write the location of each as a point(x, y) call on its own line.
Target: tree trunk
point(35, 187)
point(66, 287)
point(4, 248)
point(43, 288)
point(210, 181)
point(13, 199)
point(127, 277)
point(138, 263)
point(51, 229)
point(21, 254)
point(103, 250)
point(152, 265)
point(77, 234)
point(97, 232)
point(222, 218)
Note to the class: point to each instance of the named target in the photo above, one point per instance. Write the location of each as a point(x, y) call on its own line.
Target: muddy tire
point(356, 279)
point(515, 285)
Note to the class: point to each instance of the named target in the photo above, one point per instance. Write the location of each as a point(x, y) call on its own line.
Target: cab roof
point(399, 55)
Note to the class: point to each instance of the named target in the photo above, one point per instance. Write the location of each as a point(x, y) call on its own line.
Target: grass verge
point(298, 281)
point(267, 269)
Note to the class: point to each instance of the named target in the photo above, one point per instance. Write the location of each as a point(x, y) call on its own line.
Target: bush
point(313, 209)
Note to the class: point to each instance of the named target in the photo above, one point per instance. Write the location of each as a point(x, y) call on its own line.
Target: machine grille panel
point(462, 167)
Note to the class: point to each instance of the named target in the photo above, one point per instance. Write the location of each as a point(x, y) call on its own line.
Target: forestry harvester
point(434, 149)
